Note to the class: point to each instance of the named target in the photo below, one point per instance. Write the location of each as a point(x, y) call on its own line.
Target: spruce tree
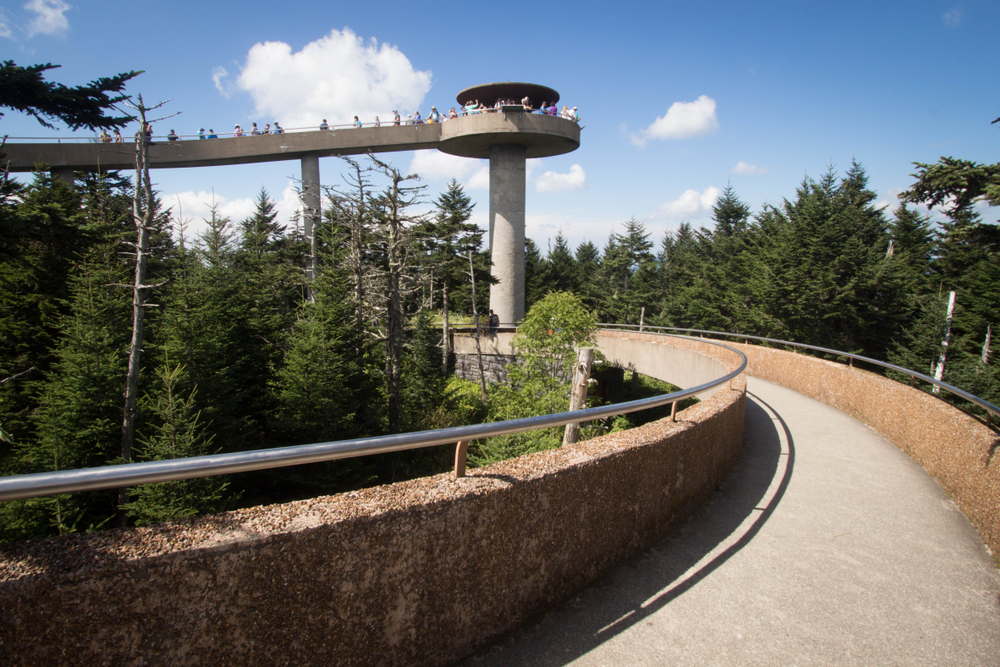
point(559, 270)
point(446, 241)
point(77, 423)
point(173, 430)
point(534, 275)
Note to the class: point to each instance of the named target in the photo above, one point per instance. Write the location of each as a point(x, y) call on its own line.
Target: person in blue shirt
point(434, 116)
point(277, 128)
point(357, 123)
point(323, 125)
point(212, 134)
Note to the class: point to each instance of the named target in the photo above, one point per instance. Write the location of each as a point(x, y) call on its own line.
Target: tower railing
point(991, 410)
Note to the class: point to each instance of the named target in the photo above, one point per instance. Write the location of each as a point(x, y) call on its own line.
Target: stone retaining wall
point(494, 367)
point(421, 572)
point(960, 452)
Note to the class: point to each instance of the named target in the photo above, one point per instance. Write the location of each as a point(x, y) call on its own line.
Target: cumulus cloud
point(433, 165)
point(552, 181)
point(953, 17)
point(691, 204)
point(682, 120)
point(335, 77)
point(195, 208)
point(49, 19)
point(745, 168)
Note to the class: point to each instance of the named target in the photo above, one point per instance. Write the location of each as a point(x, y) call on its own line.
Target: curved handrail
point(129, 138)
point(129, 474)
point(961, 393)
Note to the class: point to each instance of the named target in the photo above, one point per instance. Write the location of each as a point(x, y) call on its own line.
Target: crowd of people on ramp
point(470, 108)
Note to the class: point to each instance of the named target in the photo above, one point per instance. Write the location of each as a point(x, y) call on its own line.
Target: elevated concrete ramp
point(827, 545)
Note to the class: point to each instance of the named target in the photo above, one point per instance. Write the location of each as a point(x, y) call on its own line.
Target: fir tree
point(534, 275)
point(78, 420)
point(175, 431)
point(559, 270)
point(446, 240)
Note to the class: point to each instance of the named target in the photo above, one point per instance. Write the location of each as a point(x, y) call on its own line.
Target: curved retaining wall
point(957, 450)
point(416, 573)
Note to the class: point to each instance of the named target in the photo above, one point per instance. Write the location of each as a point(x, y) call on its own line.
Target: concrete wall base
point(415, 573)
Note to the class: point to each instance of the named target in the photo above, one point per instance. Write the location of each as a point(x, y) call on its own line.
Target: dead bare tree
point(143, 212)
point(351, 208)
point(395, 233)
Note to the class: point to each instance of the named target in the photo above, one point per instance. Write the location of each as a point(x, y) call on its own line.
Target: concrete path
point(827, 545)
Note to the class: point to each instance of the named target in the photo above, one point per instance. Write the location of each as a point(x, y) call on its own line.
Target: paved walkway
point(826, 546)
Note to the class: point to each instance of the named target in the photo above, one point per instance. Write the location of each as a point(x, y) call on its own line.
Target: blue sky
point(678, 100)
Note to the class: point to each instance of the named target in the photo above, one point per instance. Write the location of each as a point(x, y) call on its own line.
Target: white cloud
point(691, 204)
point(433, 165)
point(890, 202)
point(195, 208)
point(49, 19)
point(335, 77)
point(5, 30)
point(682, 120)
point(745, 168)
point(953, 16)
point(225, 88)
point(479, 180)
point(551, 181)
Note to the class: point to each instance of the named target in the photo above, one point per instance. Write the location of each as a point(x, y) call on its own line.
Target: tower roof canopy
point(489, 93)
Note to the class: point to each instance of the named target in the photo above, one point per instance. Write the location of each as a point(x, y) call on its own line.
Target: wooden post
point(460, 450)
point(578, 396)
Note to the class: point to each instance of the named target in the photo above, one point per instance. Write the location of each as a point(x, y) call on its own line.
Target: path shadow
point(638, 589)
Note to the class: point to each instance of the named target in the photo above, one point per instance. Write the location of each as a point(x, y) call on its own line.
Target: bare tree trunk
point(445, 325)
point(578, 397)
point(142, 216)
point(939, 370)
point(986, 345)
point(479, 333)
point(394, 314)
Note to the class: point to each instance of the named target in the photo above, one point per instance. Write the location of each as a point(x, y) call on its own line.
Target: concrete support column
point(310, 199)
point(507, 230)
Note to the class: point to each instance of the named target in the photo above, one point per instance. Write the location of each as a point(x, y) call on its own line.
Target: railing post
point(460, 450)
point(673, 411)
point(578, 398)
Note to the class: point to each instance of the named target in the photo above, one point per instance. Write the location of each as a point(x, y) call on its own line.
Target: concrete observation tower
point(508, 138)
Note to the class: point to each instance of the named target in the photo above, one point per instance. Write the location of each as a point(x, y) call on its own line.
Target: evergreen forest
point(255, 336)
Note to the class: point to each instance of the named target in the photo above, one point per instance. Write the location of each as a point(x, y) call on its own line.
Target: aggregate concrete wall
point(957, 450)
point(415, 573)
point(666, 358)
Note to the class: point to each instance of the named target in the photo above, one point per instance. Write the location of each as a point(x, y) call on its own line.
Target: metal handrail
point(129, 474)
point(129, 138)
point(971, 398)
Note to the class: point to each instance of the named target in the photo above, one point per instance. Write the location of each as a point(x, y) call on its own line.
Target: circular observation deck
point(542, 136)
